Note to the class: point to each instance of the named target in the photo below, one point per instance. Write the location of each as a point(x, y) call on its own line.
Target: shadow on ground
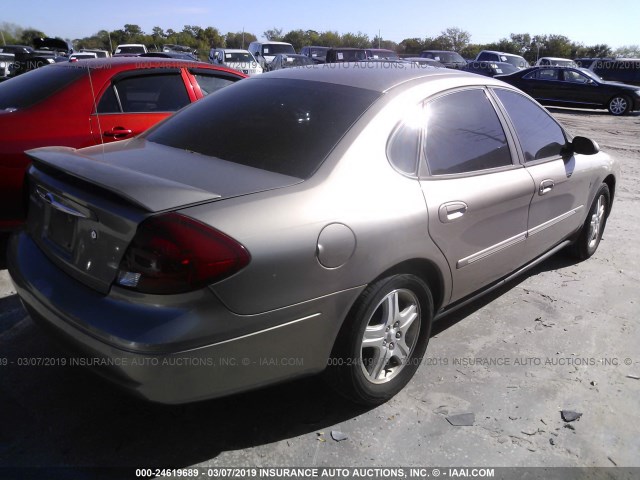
point(61, 416)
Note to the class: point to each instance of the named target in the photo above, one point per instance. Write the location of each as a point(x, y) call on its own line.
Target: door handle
point(546, 186)
point(451, 211)
point(118, 132)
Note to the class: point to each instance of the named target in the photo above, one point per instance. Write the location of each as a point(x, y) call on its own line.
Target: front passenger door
point(558, 206)
point(477, 198)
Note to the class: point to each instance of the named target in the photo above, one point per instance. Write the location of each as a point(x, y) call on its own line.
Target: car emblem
point(94, 235)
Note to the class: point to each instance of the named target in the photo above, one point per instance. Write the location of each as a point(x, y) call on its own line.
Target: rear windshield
point(34, 86)
point(279, 125)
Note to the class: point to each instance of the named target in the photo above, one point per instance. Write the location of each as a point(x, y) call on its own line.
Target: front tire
point(593, 227)
point(383, 340)
point(619, 105)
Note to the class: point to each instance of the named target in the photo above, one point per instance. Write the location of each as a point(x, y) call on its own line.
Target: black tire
point(619, 105)
point(589, 239)
point(371, 375)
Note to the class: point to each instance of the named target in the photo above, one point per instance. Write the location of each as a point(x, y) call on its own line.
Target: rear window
point(279, 125)
point(35, 86)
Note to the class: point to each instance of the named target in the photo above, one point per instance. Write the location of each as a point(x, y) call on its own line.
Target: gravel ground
point(563, 337)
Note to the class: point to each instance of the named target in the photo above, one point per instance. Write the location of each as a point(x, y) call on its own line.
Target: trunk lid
point(86, 205)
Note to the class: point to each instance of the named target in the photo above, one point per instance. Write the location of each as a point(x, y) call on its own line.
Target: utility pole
point(2, 33)
point(379, 38)
point(243, 38)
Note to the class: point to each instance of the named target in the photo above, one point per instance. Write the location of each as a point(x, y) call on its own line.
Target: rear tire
point(593, 227)
point(619, 105)
point(383, 340)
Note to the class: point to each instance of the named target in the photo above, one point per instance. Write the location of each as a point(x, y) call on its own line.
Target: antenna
point(95, 108)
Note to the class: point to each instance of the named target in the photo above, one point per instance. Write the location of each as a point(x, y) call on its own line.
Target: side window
point(152, 93)
point(211, 83)
point(539, 134)
point(464, 134)
point(402, 149)
point(109, 102)
point(574, 77)
point(543, 74)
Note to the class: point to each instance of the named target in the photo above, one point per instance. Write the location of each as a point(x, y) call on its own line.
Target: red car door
point(135, 100)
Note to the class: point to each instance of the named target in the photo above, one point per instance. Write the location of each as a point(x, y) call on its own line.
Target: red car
point(79, 104)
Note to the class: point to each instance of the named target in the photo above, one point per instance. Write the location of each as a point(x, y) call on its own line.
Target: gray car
point(301, 221)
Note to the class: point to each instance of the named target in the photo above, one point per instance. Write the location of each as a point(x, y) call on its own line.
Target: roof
point(376, 76)
point(141, 62)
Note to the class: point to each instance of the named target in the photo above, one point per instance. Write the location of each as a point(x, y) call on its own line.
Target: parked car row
point(186, 256)
point(575, 87)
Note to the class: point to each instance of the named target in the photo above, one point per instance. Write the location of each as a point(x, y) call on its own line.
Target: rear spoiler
point(153, 194)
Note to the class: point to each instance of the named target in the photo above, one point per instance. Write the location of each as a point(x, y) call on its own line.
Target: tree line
point(202, 39)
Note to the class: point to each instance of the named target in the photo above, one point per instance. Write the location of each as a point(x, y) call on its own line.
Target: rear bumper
point(190, 348)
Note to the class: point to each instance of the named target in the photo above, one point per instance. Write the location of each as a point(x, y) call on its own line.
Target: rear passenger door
point(137, 100)
point(477, 196)
point(558, 206)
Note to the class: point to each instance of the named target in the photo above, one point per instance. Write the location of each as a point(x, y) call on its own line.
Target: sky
point(614, 22)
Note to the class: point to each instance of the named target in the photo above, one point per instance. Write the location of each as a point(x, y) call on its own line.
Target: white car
point(74, 57)
point(267, 51)
point(6, 60)
point(130, 49)
point(556, 62)
point(237, 59)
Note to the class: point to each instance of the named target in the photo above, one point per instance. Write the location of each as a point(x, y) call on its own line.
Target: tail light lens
point(173, 253)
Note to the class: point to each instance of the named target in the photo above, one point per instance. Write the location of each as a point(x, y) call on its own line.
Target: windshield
point(238, 57)
point(515, 60)
point(276, 48)
point(279, 125)
point(446, 57)
point(34, 86)
point(319, 52)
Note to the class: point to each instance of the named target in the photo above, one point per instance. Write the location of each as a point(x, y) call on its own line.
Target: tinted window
point(152, 93)
point(283, 126)
point(109, 102)
point(539, 134)
point(402, 150)
point(34, 86)
point(464, 134)
point(574, 77)
point(543, 74)
point(211, 83)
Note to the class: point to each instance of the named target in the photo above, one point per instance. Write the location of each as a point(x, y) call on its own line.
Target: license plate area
point(61, 230)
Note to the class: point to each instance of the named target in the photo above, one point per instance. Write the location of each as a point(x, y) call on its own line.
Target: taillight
point(173, 253)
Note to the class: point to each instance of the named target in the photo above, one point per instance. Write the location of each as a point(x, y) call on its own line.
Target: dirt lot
point(565, 336)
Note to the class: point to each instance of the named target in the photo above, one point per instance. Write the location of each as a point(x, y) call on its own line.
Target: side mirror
point(584, 146)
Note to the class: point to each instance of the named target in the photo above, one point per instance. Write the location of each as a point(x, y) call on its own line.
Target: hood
point(52, 44)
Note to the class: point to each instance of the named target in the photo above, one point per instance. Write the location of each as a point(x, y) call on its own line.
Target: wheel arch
point(424, 269)
point(610, 180)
